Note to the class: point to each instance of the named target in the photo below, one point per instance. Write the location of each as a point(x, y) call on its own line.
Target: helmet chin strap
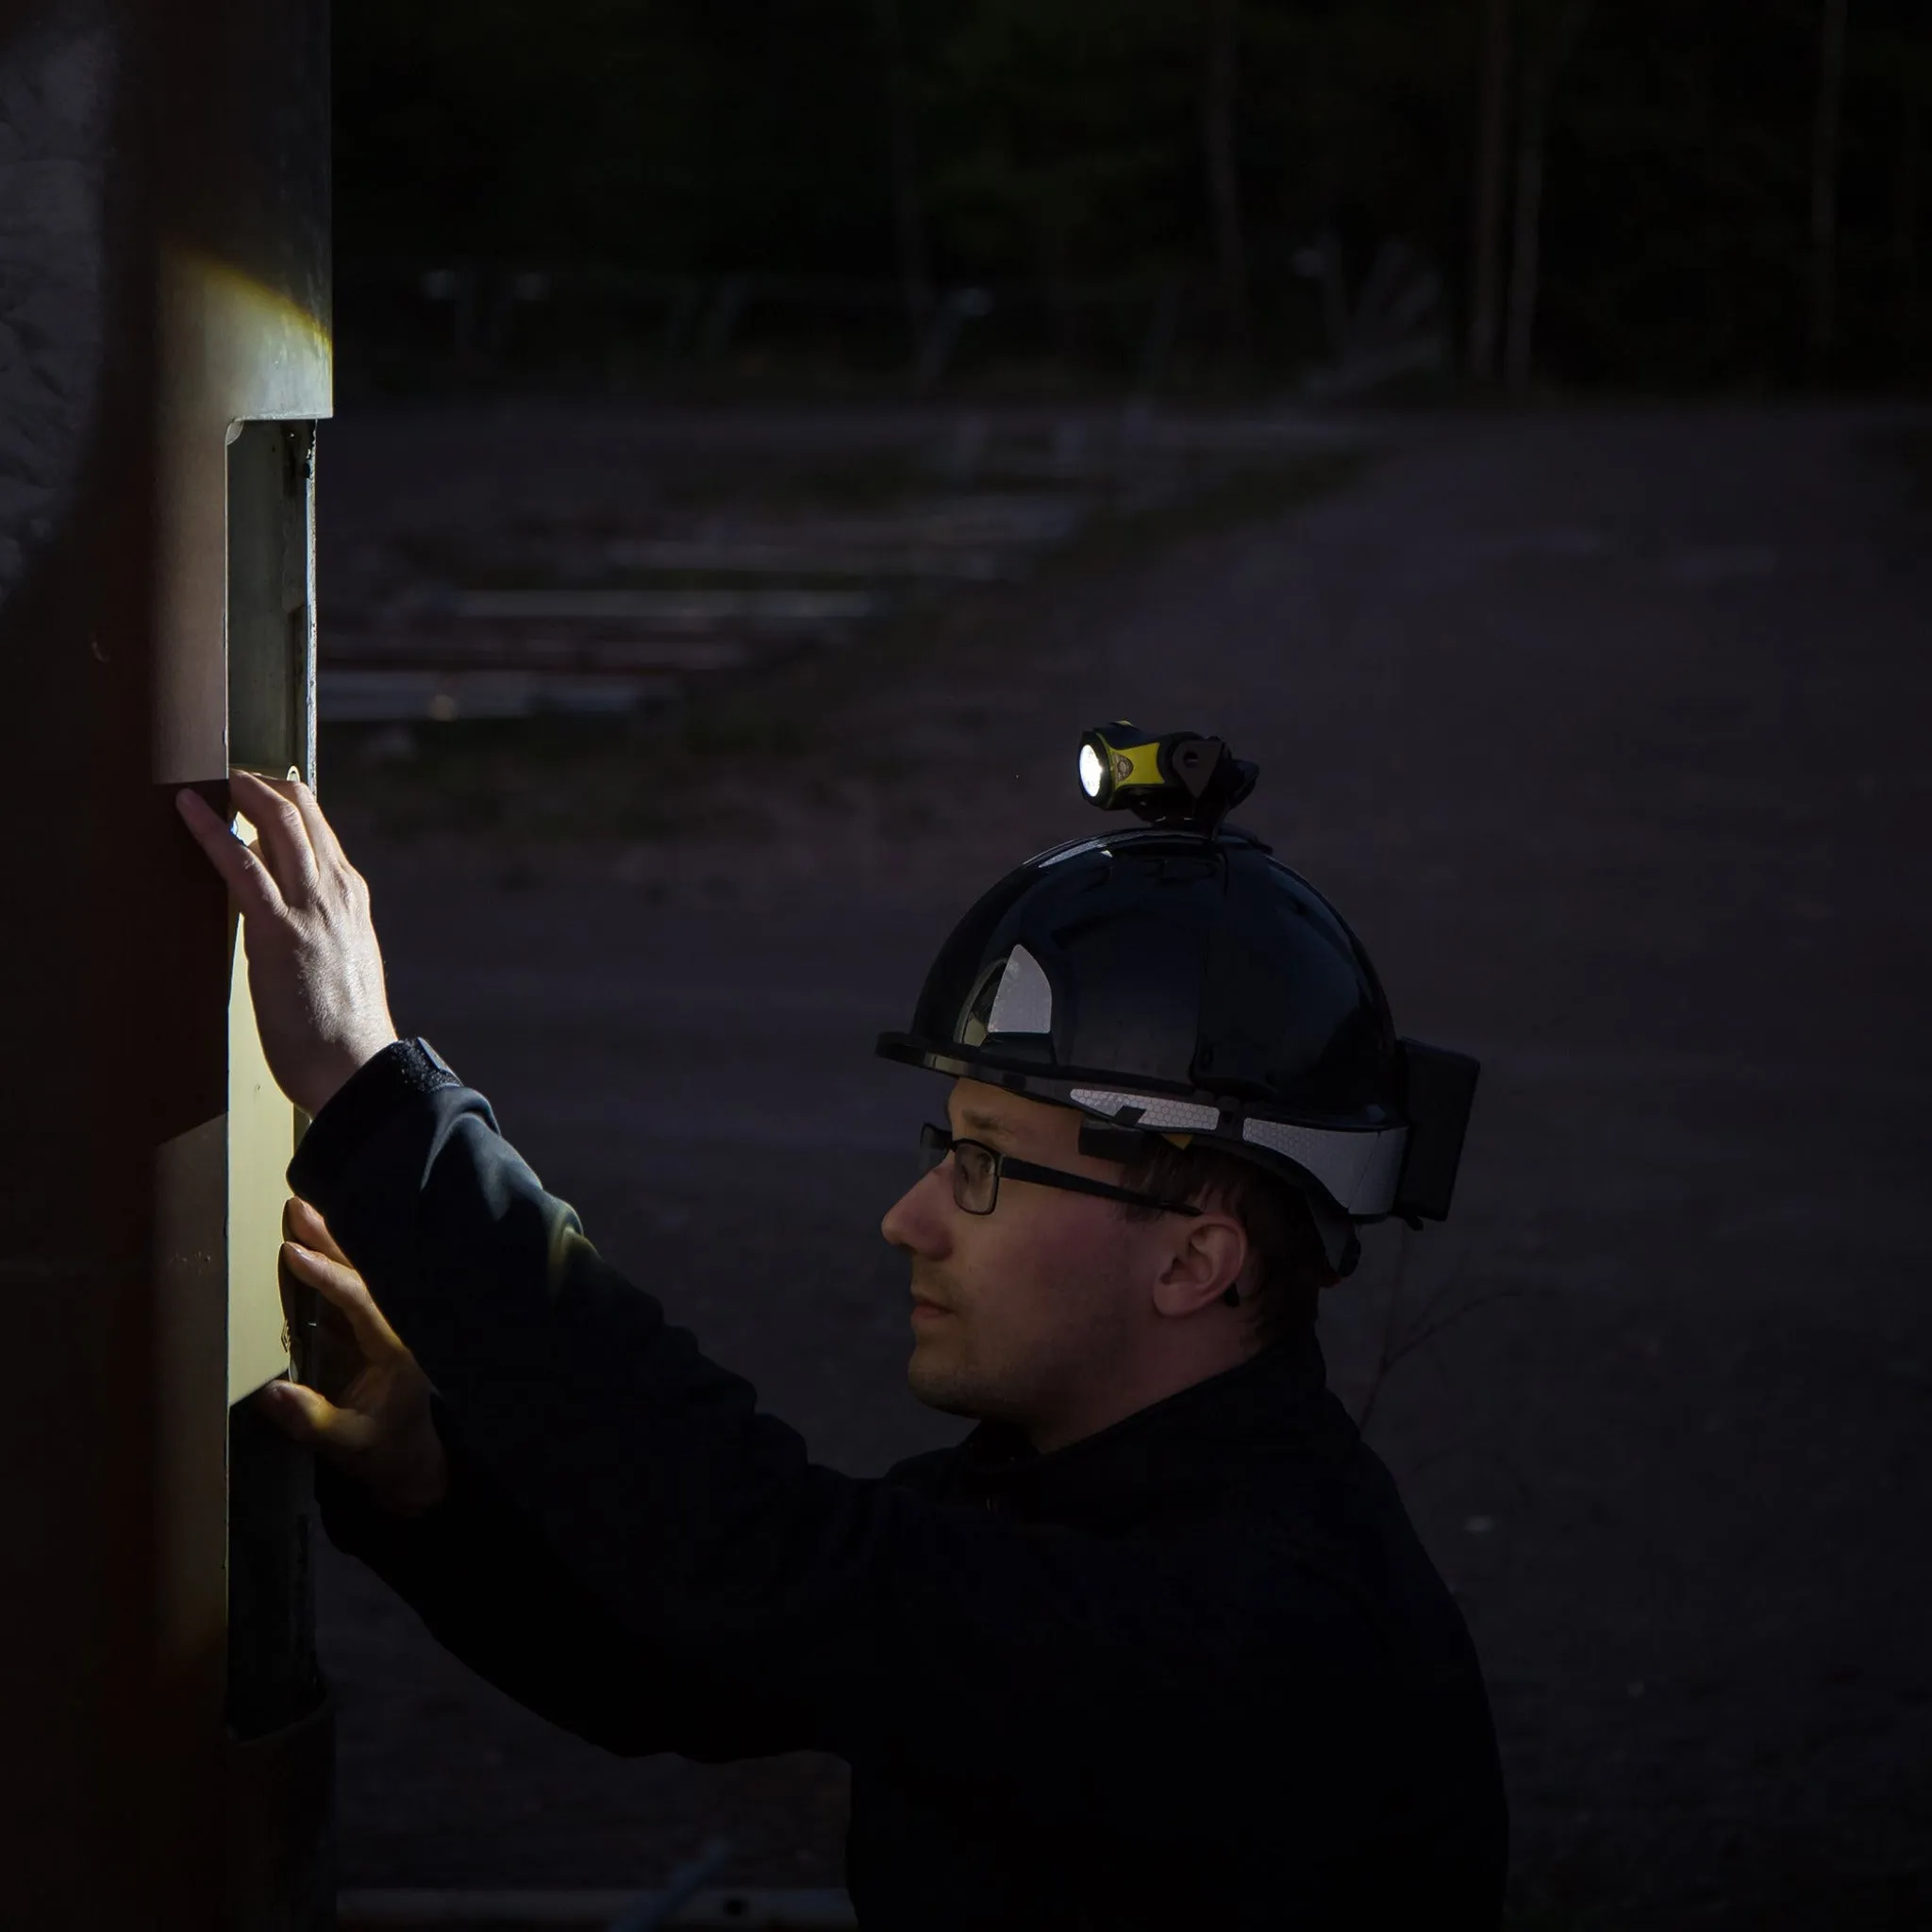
point(1339, 1242)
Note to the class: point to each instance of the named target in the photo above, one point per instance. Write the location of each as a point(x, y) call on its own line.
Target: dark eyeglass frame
point(936, 1144)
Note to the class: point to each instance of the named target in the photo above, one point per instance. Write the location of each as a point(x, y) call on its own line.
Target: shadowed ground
point(1608, 735)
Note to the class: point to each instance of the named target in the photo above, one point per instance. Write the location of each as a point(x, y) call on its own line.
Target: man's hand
point(378, 1430)
point(315, 969)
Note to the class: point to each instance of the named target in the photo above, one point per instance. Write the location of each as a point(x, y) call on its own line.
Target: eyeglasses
point(977, 1170)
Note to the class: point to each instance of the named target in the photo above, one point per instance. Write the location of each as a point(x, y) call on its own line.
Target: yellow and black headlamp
point(1179, 779)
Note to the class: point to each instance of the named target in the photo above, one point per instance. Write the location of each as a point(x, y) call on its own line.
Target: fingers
point(406, 1469)
point(342, 1287)
point(302, 1415)
point(322, 835)
point(249, 882)
point(302, 1222)
point(282, 828)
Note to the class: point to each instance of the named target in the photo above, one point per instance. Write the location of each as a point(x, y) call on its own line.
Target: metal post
point(165, 354)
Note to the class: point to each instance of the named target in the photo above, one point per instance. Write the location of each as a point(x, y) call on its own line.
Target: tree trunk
point(1053, 241)
point(1539, 79)
point(1526, 252)
point(909, 216)
point(1217, 136)
point(1908, 182)
point(1910, 186)
point(1491, 154)
point(1907, 191)
point(1831, 77)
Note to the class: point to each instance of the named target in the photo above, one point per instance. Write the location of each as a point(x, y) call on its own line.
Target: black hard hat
point(1182, 980)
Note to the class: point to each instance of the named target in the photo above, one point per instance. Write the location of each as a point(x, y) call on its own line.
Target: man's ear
point(1209, 1251)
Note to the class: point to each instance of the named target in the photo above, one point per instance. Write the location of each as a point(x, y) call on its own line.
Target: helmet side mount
point(1179, 781)
point(1439, 1090)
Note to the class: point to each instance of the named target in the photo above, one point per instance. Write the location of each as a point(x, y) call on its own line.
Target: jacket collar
point(1174, 1447)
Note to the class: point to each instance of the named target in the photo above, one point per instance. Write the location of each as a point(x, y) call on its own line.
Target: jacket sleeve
point(1090, 1678)
point(491, 1589)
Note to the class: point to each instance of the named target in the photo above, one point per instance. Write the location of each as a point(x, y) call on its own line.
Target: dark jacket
point(1193, 1671)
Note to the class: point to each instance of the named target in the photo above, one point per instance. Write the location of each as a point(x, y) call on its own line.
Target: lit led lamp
point(1181, 779)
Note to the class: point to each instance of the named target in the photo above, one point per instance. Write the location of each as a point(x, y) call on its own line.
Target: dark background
point(1725, 195)
point(1134, 359)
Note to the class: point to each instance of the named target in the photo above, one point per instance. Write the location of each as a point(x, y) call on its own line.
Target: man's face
point(1016, 1312)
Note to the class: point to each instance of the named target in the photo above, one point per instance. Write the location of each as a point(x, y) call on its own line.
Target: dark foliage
point(1065, 145)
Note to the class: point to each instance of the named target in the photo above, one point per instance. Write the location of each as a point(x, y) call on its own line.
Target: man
point(1155, 1646)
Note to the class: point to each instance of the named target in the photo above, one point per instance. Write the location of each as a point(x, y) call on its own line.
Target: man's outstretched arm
point(493, 1591)
point(398, 1492)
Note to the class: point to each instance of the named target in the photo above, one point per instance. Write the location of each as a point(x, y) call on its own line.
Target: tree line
point(1709, 193)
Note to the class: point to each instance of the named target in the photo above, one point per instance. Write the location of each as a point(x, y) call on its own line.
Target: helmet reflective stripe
point(1024, 1003)
point(1147, 1110)
point(1359, 1169)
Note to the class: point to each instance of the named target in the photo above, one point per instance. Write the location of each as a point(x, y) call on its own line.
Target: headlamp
point(1181, 779)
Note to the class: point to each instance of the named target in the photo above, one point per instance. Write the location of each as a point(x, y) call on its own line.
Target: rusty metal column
point(164, 356)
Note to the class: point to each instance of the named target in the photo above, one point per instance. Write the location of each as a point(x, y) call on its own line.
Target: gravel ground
point(1607, 731)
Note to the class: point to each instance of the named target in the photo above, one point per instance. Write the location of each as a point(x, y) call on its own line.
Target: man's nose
point(917, 1221)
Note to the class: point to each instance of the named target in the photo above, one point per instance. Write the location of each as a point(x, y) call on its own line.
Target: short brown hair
point(1288, 1266)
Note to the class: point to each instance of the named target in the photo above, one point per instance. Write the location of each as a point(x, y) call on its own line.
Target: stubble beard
point(942, 1372)
point(943, 1387)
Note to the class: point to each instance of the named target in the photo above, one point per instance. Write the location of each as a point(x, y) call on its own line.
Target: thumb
point(303, 1415)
